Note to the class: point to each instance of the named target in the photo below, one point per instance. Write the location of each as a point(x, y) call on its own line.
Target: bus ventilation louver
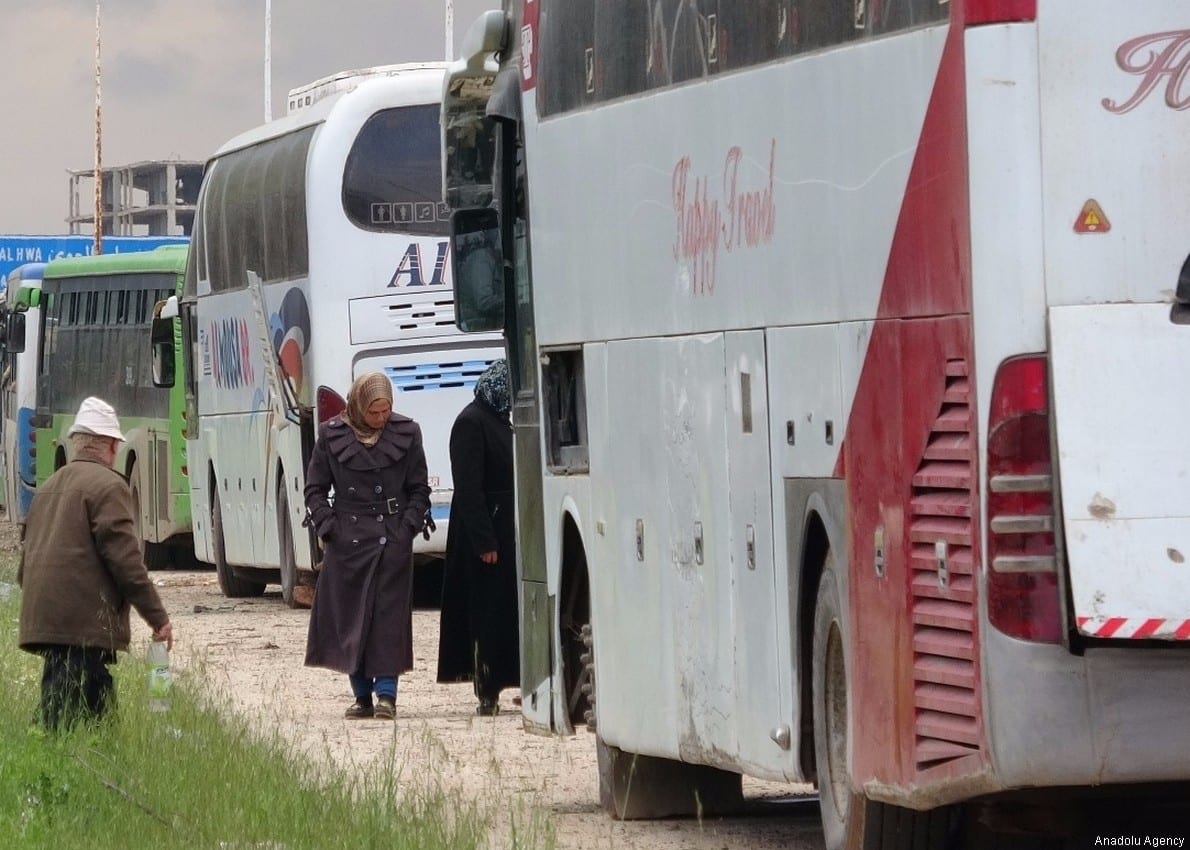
point(426, 377)
point(941, 535)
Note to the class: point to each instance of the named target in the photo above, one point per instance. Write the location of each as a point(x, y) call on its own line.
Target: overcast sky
point(179, 78)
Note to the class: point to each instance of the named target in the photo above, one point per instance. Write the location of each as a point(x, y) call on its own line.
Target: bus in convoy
point(842, 338)
point(319, 253)
point(96, 313)
point(18, 391)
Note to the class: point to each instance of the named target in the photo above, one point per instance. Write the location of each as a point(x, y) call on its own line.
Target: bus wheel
point(289, 570)
point(232, 585)
point(849, 820)
point(156, 556)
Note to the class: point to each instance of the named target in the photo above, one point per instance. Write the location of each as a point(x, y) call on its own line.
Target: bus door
point(753, 578)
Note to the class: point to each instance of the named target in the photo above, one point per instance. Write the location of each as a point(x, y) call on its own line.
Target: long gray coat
point(362, 616)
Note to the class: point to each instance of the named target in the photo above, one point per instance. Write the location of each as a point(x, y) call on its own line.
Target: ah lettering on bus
point(411, 265)
point(1156, 58)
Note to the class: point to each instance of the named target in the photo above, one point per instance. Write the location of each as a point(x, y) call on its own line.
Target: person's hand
point(488, 557)
point(165, 633)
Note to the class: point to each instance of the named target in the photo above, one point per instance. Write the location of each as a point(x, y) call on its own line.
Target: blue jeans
point(362, 687)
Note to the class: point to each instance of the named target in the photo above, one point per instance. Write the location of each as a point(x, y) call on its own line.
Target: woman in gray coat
point(367, 493)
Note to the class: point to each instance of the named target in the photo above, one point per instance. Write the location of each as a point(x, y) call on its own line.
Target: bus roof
point(304, 96)
point(27, 271)
point(320, 109)
point(166, 258)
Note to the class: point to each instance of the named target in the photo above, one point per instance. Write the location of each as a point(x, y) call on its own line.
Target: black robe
point(480, 623)
point(362, 616)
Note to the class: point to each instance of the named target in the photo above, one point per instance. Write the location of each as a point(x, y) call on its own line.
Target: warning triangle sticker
point(1092, 219)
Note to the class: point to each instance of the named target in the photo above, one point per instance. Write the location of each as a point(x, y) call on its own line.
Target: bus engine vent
point(941, 537)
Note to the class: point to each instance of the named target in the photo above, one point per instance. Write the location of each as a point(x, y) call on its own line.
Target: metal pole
point(450, 29)
point(268, 60)
point(98, 143)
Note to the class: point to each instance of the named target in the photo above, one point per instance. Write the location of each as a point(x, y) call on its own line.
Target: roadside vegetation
point(191, 778)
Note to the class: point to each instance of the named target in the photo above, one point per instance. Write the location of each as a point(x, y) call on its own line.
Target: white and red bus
point(846, 339)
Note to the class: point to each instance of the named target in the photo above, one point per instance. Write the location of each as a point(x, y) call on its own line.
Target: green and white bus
point(95, 325)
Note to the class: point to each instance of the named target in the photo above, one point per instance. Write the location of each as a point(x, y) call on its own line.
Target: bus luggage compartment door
point(1124, 467)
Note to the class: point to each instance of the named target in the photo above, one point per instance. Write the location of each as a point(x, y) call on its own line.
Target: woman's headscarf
point(366, 389)
point(492, 387)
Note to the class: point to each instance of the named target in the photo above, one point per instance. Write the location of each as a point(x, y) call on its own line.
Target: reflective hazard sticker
point(1091, 219)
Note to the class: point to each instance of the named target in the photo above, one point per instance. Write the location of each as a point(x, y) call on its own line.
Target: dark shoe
point(386, 708)
point(359, 710)
point(488, 708)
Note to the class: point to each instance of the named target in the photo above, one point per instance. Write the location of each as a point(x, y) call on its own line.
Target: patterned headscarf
point(366, 389)
point(492, 387)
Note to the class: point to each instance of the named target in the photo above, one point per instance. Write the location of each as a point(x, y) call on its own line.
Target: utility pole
point(268, 60)
point(98, 144)
point(450, 30)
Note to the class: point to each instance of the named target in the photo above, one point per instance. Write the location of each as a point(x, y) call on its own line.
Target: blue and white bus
point(18, 393)
point(320, 251)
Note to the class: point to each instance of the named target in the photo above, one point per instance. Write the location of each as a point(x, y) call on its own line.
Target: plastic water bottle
point(159, 676)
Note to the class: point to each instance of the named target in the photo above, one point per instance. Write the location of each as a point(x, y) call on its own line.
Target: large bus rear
point(1080, 235)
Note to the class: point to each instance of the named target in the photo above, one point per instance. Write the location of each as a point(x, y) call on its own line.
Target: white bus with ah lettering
point(319, 252)
point(846, 346)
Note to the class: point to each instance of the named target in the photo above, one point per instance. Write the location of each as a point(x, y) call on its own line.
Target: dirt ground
point(251, 650)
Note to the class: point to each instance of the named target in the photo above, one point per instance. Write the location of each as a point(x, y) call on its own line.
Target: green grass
point(191, 778)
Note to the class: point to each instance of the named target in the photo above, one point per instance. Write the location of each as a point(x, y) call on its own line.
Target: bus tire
point(288, 560)
point(850, 821)
point(232, 585)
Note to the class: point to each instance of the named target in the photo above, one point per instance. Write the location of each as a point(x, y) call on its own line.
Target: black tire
point(232, 585)
point(849, 820)
point(289, 569)
point(842, 807)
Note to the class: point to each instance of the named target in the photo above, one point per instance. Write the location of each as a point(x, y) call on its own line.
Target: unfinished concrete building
point(154, 198)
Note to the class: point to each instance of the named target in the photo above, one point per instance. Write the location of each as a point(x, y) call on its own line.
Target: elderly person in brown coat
point(81, 570)
point(361, 622)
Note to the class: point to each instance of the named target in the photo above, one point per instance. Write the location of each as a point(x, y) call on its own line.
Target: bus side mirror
point(478, 268)
point(162, 340)
point(14, 333)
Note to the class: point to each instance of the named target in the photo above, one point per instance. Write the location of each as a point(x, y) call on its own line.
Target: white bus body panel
point(1125, 468)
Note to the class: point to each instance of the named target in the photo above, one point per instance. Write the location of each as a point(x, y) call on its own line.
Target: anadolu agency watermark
point(1139, 841)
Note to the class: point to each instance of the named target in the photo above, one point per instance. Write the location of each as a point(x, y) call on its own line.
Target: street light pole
point(98, 246)
point(450, 30)
point(268, 60)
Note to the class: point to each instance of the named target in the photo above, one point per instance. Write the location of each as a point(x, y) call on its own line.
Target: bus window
point(393, 180)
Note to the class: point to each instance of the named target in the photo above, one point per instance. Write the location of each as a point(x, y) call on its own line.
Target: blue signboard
point(18, 250)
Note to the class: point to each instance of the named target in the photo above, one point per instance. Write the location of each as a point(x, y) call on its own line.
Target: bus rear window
point(392, 180)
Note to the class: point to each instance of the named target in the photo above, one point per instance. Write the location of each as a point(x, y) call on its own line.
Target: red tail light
point(1022, 557)
point(329, 404)
point(1000, 11)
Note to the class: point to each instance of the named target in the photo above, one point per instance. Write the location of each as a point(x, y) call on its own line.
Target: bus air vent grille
point(942, 575)
point(424, 377)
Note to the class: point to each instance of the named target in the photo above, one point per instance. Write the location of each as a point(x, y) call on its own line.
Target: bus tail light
point(329, 404)
point(1000, 11)
point(1023, 565)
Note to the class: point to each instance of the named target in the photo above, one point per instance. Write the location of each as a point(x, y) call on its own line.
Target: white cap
point(96, 416)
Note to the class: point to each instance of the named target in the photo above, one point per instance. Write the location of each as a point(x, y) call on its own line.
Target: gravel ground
point(250, 651)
